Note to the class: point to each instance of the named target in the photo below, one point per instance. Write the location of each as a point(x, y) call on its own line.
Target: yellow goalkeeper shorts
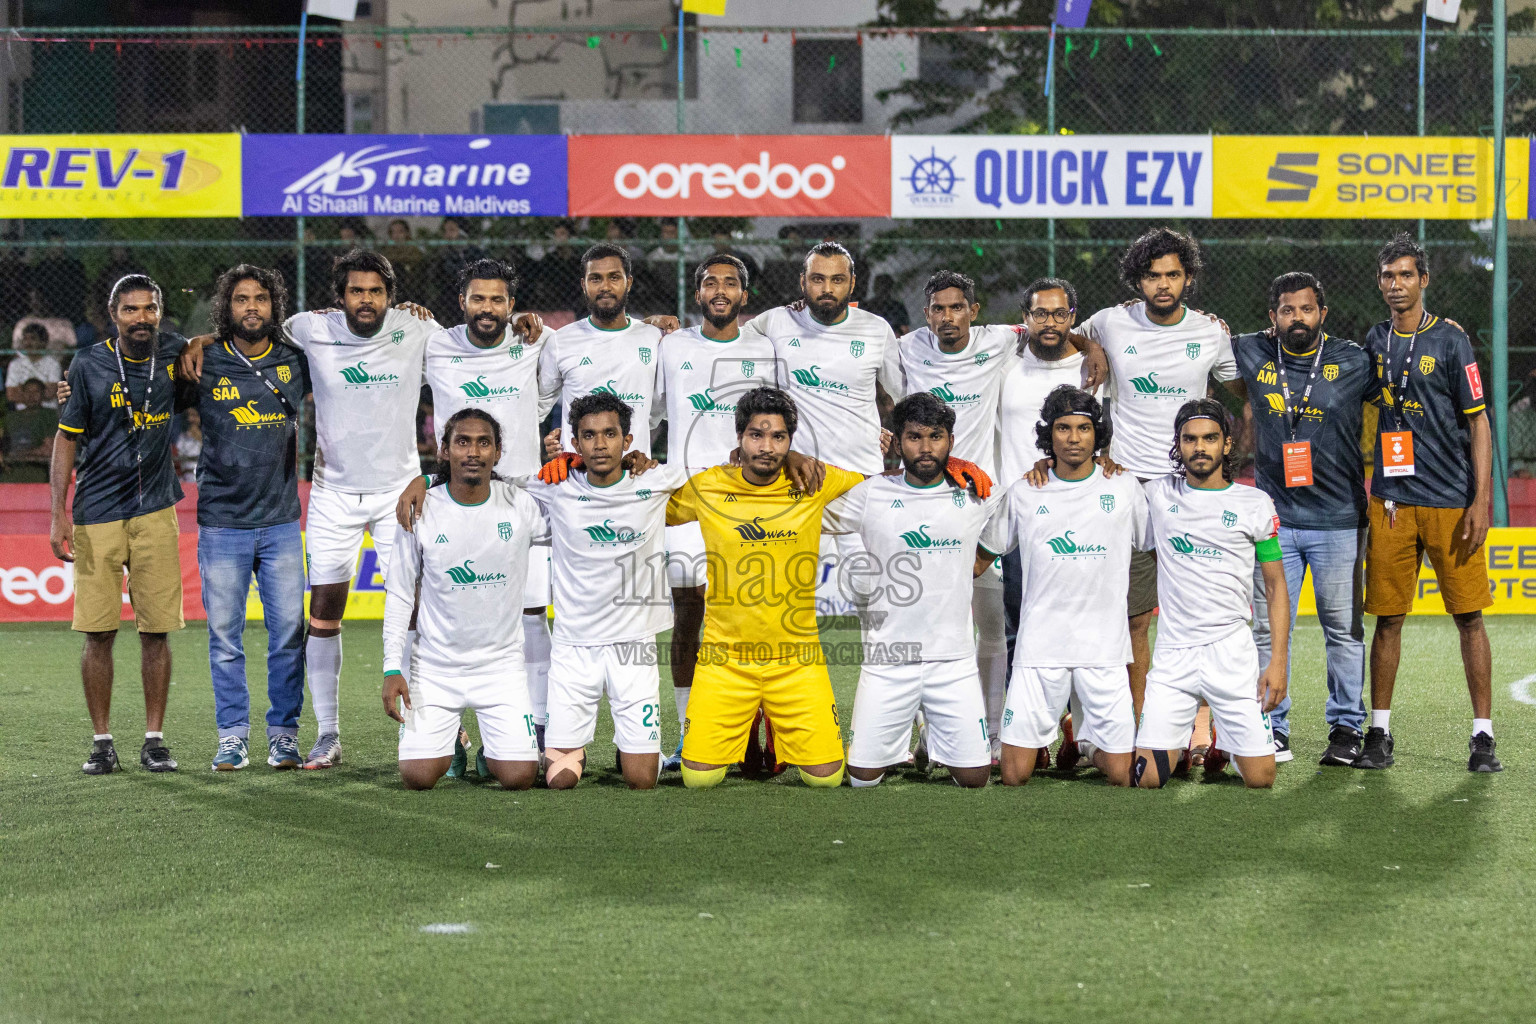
point(796, 698)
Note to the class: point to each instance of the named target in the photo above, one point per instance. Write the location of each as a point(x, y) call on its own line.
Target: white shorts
point(1225, 675)
point(579, 676)
point(888, 697)
point(333, 532)
point(536, 588)
point(506, 725)
point(1037, 696)
point(686, 566)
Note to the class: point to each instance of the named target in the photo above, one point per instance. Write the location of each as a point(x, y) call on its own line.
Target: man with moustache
point(1308, 391)
point(118, 419)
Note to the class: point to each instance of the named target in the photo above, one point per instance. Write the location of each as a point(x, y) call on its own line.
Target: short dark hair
point(134, 283)
point(36, 329)
point(1203, 409)
point(219, 318)
point(488, 270)
point(362, 261)
point(719, 259)
point(440, 474)
point(769, 401)
point(943, 279)
point(33, 380)
point(828, 248)
point(595, 403)
point(1400, 245)
point(924, 409)
point(1155, 244)
point(1067, 400)
point(1295, 281)
point(607, 250)
point(1046, 284)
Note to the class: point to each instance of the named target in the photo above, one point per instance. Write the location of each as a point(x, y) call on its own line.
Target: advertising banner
point(405, 175)
point(36, 587)
point(1086, 176)
point(730, 175)
point(120, 175)
point(1393, 177)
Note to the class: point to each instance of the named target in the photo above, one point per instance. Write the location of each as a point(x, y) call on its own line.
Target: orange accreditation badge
point(1397, 453)
point(1297, 463)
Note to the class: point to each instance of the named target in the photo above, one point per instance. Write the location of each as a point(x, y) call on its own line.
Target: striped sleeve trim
point(72, 430)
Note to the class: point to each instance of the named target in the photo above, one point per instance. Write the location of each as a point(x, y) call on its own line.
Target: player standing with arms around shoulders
point(469, 554)
point(919, 653)
point(1208, 531)
point(1074, 538)
point(1429, 494)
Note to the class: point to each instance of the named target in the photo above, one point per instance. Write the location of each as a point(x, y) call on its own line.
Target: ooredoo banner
point(730, 175)
point(37, 587)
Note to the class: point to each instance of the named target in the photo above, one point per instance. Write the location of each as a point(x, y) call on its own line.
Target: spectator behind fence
point(31, 360)
point(408, 259)
point(59, 276)
point(556, 277)
point(189, 446)
point(29, 432)
point(884, 303)
point(447, 262)
point(666, 249)
point(121, 261)
point(61, 333)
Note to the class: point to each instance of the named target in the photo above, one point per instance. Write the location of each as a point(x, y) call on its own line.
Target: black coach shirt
point(1444, 391)
point(247, 476)
point(124, 466)
point(1330, 420)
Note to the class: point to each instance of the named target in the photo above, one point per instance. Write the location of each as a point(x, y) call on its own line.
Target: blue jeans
point(1336, 558)
point(226, 560)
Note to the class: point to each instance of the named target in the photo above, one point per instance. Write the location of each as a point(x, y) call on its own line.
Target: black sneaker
point(1378, 750)
point(103, 759)
point(156, 756)
point(1343, 747)
point(1482, 759)
point(1283, 747)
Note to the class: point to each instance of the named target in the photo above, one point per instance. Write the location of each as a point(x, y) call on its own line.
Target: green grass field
point(1403, 895)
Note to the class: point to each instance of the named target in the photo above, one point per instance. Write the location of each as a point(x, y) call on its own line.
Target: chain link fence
point(54, 274)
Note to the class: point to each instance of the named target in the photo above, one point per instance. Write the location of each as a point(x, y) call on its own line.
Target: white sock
point(101, 736)
point(680, 695)
point(161, 735)
point(859, 783)
point(536, 654)
point(1379, 719)
point(410, 656)
point(1482, 725)
point(322, 658)
point(991, 654)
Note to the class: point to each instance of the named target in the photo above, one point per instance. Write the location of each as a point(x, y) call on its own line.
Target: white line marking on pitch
point(1520, 689)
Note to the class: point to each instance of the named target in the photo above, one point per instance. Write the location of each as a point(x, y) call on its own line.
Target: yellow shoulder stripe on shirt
point(72, 430)
point(1474, 410)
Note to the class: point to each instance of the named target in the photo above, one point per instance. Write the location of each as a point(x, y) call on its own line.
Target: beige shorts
point(147, 547)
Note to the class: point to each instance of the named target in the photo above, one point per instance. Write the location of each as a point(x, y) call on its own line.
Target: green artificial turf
point(1403, 895)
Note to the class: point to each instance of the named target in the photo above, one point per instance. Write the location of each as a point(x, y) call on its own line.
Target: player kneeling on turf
point(1207, 532)
point(608, 566)
point(1075, 536)
point(919, 529)
point(469, 552)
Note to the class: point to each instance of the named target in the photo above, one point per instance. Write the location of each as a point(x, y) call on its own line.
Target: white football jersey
point(582, 358)
point(1025, 386)
point(366, 394)
point(1156, 369)
point(924, 542)
point(1075, 539)
point(502, 380)
point(1205, 544)
point(471, 562)
point(608, 557)
point(701, 382)
point(969, 381)
point(830, 372)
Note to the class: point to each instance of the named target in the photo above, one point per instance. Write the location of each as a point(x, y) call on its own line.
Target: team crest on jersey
point(795, 494)
point(982, 357)
point(747, 366)
point(645, 355)
point(1192, 350)
point(504, 531)
point(1008, 716)
point(1426, 365)
point(643, 493)
point(1107, 502)
point(516, 351)
point(397, 337)
point(1330, 371)
point(284, 374)
point(856, 347)
point(1228, 519)
point(958, 497)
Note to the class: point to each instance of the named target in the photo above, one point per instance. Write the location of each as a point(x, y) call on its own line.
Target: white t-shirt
point(608, 560)
point(969, 381)
point(25, 366)
point(1155, 370)
point(1205, 553)
point(471, 561)
point(582, 358)
point(1025, 386)
point(830, 372)
point(366, 394)
point(923, 543)
point(1075, 539)
point(701, 382)
point(502, 380)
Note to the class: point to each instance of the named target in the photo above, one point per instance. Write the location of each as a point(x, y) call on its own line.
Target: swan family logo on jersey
point(1182, 545)
point(479, 390)
point(466, 578)
point(754, 531)
point(358, 377)
point(606, 534)
point(247, 416)
point(810, 378)
point(1066, 546)
point(705, 401)
point(1148, 385)
point(949, 396)
point(919, 539)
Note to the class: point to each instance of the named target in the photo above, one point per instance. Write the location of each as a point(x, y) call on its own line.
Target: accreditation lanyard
point(281, 398)
point(1400, 392)
point(134, 424)
point(1291, 418)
